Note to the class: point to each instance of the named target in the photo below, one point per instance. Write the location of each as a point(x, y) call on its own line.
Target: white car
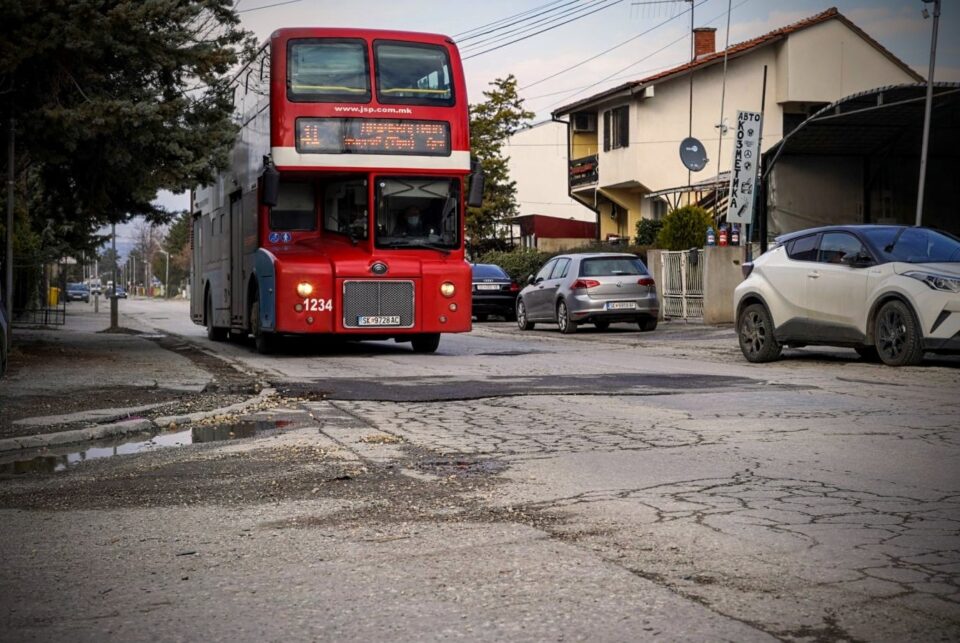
point(890, 292)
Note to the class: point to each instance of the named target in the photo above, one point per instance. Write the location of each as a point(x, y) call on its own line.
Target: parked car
point(889, 292)
point(494, 292)
point(78, 292)
point(121, 293)
point(595, 288)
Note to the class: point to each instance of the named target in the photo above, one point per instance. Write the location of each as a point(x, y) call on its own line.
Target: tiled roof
point(738, 50)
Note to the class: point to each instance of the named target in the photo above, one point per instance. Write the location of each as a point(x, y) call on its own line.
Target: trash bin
point(53, 297)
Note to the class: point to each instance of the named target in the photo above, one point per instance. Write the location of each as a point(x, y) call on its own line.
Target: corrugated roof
point(740, 49)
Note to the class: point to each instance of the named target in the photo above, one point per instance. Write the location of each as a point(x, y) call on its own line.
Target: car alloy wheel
point(566, 324)
point(522, 320)
point(897, 335)
point(755, 332)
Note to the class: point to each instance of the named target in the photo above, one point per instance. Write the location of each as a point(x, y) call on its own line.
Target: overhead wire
point(520, 17)
point(500, 37)
point(536, 33)
point(607, 51)
point(622, 69)
point(507, 18)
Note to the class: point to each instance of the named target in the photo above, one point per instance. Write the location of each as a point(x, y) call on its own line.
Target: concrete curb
point(125, 427)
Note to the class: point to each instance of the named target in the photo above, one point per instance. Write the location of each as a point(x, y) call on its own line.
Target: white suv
point(890, 292)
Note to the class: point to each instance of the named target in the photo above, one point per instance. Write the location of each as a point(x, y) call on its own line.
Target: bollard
point(96, 303)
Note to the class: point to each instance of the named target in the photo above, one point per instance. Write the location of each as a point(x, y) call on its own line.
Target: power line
point(520, 17)
point(486, 51)
point(606, 51)
point(270, 6)
point(499, 37)
point(500, 20)
point(621, 70)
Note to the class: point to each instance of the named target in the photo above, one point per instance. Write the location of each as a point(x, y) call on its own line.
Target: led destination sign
point(372, 136)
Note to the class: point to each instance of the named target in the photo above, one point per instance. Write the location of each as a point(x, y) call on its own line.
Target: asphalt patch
point(437, 389)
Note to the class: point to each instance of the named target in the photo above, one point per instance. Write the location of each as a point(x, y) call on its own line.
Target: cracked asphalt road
point(521, 486)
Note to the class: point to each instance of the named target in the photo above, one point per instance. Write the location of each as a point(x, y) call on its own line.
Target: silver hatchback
point(592, 288)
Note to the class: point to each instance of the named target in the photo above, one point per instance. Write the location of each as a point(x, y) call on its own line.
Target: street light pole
point(924, 149)
point(166, 280)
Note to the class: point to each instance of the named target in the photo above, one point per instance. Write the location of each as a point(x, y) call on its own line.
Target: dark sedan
point(78, 292)
point(494, 293)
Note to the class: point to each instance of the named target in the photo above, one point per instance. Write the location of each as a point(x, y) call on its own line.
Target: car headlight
point(447, 289)
point(935, 281)
point(304, 289)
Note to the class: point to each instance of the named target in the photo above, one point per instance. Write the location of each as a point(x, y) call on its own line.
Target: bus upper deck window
point(413, 74)
point(295, 208)
point(328, 70)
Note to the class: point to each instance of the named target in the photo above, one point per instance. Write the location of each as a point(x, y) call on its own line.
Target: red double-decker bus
point(342, 211)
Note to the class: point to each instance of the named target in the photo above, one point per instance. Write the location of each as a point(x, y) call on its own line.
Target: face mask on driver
point(413, 220)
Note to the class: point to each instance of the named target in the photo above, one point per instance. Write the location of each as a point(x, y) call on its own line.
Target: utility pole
point(166, 280)
point(8, 286)
point(925, 147)
point(114, 313)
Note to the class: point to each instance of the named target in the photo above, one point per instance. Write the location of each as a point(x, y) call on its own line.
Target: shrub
point(518, 263)
point(684, 228)
point(647, 231)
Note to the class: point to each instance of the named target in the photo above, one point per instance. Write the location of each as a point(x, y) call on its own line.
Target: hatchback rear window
point(487, 271)
point(612, 266)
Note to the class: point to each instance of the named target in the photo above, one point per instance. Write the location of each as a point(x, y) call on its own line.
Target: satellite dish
point(692, 154)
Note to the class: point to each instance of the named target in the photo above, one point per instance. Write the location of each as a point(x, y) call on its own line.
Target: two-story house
point(624, 142)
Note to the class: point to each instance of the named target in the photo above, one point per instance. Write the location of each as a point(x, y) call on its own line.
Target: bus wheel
point(262, 340)
point(214, 333)
point(426, 343)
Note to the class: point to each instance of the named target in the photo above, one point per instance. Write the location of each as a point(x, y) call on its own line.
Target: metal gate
point(682, 284)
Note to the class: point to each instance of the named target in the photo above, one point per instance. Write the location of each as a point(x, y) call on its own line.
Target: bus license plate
point(621, 305)
point(379, 320)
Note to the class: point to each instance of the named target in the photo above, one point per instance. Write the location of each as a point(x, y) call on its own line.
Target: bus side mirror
point(271, 185)
point(475, 198)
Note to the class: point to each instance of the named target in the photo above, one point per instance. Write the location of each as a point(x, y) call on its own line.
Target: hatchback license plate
point(621, 305)
point(380, 320)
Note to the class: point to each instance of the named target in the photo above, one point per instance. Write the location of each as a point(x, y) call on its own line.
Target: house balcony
point(583, 172)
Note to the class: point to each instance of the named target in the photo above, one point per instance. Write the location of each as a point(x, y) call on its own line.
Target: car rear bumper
point(586, 309)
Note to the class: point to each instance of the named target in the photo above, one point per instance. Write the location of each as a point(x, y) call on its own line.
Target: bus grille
point(380, 299)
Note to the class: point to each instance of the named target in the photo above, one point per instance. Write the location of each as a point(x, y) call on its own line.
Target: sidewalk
point(79, 377)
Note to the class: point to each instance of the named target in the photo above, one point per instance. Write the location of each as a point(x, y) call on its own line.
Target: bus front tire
point(426, 343)
point(263, 341)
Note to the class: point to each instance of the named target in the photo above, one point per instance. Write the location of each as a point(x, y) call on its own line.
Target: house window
point(616, 128)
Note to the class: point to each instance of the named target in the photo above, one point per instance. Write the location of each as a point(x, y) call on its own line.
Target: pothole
point(461, 467)
point(60, 459)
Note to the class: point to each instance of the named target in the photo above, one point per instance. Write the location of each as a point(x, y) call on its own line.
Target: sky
point(645, 36)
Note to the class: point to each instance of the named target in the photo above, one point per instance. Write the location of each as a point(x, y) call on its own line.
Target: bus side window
point(295, 209)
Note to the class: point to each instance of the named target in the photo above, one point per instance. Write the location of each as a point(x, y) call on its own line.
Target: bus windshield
point(323, 70)
point(418, 213)
point(413, 74)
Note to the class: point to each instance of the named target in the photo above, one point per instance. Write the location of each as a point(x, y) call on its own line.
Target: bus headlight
point(447, 289)
point(304, 289)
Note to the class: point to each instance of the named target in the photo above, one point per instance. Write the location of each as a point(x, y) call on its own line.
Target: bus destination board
point(372, 136)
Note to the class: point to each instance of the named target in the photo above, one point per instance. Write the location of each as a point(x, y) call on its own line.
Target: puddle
point(54, 460)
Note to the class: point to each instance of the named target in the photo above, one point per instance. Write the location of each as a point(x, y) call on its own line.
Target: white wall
point(828, 61)
point(538, 164)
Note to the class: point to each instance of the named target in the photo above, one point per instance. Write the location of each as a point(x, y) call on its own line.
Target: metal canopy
point(885, 121)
